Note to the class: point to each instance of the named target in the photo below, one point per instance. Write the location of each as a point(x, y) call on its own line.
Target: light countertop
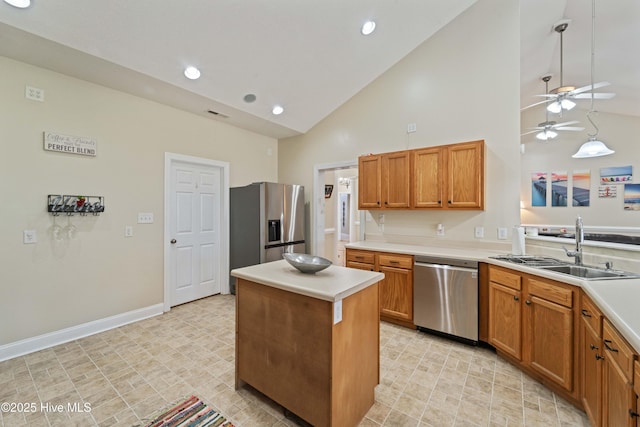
point(331, 284)
point(619, 299)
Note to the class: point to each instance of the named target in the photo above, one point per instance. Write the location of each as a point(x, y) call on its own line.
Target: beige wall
point(49, 286)
point(461, 85)
point(619, 132)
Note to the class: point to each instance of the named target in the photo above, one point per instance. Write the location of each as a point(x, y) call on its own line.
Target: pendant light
point(593, 147)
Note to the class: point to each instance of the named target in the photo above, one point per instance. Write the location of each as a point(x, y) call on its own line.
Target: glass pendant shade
point(593, 148)
point(546, 134)
point(19, 3)
point(556, 107)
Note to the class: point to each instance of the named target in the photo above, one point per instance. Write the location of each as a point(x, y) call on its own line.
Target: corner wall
point(460, 85)
point(97, 273)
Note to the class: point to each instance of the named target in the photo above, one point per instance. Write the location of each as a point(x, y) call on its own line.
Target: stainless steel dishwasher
point(445, 297)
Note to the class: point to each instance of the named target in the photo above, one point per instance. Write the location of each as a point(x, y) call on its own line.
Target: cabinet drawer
point(591, 314)
point(551, 292)
point(617, 350)
point(510, 280)
point(360, 265)
point(361, 256)
point(394, 260)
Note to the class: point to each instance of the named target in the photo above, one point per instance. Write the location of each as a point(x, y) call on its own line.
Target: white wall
point(460, 85)
point(619, 132)
point(49, 286)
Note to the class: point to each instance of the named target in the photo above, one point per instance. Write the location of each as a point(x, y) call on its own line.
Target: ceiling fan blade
point(573, 122)
point(601, 95)
point(549, 95)
point(535, 129)
point(527, 133)
point(572, 128)
point(533, 105)
point(588, 87)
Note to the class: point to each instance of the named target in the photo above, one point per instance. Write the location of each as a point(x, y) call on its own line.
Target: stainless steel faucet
point(577, 254)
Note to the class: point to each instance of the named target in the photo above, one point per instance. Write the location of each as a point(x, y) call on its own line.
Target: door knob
point(173, 241)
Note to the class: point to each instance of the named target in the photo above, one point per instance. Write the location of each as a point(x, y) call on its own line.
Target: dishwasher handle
point(445, 267)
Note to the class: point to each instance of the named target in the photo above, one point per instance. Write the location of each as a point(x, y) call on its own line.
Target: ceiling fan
point(562, 96)
point(546, 130)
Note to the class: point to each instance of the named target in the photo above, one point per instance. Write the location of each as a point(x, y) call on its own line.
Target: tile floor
point(128, 373)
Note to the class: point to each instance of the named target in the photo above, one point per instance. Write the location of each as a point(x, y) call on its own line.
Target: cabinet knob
point(598, 357)
point(515, 298)
point(449, 201)
point(593, 347)
point(386, 203)
point(173, 241)
point(633, 414)
point(585, 313)
point(527, 302)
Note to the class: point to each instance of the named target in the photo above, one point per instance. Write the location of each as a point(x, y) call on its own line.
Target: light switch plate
point(29, 236)
point(479, 232)
point(128, 231)
point(145, 217)
point(502, 233)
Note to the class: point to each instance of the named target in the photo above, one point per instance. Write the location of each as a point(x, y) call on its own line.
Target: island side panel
point(283, 348)
point(356, 357)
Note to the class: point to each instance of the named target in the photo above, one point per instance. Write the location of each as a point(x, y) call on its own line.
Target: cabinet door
point(395, 180)
point(427, 178)
point(396, 293)
point(465, 176)
point(591, 372)
point(550, 340)
point(369, 182)
point(618, 400)
point(505, 319)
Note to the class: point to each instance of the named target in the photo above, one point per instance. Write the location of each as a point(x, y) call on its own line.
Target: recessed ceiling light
point(277, 110)
point(192, 73)
point(19, 3)
point(368, 28)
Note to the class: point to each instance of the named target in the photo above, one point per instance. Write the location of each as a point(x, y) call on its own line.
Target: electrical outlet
point(411, 127)
point(145, 218)
point(479, 232)
point(29, 236)
point(34, 93)
point(128, 231)
point(502, 233)
point(380, 218)
point(440, 230)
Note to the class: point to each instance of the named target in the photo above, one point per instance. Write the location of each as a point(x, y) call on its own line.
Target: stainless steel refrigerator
point(266, 219)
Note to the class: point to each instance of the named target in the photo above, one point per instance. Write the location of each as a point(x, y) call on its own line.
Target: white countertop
point(331, 284)
point(618, 299)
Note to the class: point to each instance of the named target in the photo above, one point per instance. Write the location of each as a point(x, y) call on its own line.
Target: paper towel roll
point(517, 241)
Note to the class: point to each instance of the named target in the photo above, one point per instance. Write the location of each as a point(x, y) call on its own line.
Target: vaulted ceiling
point(307, 56)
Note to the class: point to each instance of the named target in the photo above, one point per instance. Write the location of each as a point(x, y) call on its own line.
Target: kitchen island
point(309, 342)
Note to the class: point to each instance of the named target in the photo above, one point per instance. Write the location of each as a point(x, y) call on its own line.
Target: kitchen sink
point(590, 273)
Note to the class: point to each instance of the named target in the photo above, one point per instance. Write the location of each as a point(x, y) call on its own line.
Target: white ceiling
point(306, 55)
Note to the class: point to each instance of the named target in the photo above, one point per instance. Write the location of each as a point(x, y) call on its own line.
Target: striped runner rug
point(192, 412)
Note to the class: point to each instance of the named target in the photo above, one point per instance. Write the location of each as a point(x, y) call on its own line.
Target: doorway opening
point(336, 219)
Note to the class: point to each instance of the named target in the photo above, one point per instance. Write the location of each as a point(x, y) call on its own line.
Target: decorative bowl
point(308, 264)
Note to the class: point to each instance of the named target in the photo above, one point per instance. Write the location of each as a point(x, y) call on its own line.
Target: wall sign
point(81, 145)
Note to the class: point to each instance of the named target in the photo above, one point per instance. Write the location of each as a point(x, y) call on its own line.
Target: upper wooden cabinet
point(383, 181)
point(440, 177)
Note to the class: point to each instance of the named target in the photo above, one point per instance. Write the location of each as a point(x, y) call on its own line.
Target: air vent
point(215, 113)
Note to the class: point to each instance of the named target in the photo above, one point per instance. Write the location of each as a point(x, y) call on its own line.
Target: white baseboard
point(40, 342)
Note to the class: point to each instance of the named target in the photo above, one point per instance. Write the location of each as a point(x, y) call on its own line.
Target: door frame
point(318, 214)
point(169, 160)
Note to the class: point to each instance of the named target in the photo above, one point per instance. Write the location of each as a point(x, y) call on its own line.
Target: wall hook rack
point(65, 204)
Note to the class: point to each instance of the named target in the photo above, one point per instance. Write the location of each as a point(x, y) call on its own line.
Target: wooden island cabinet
point(309, 342)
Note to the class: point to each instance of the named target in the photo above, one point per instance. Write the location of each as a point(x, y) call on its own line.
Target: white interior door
point(194, 210)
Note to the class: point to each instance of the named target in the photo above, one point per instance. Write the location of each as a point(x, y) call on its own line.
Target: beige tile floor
point(128, 373)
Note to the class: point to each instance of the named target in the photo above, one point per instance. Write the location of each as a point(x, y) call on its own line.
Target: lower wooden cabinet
point(396, 289)
point(533, 322)
point(618, 397)
point(591, 359)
